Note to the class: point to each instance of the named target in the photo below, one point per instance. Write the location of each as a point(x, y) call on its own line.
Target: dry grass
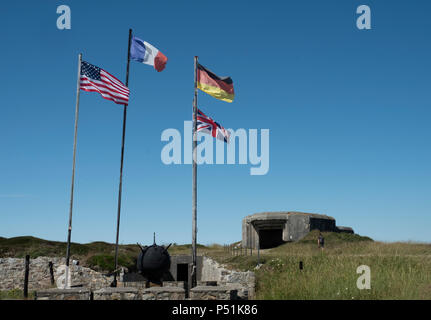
point(398, 270)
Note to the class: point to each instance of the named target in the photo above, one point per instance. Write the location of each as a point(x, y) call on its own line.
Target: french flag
point(144, 52)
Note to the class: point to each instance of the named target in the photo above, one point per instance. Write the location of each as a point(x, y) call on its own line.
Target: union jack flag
point(207, 125)
point(95, 79)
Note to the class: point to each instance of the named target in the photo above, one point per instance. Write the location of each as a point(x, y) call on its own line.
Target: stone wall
point(63, 294)
point(12, 274)
point(163, 293)
point(12, 277)
point(123, 293)
point(82, 276)
point(179, 284)
point(142, 284)
point(243, 282)
point(116, 294)
point(213, 293)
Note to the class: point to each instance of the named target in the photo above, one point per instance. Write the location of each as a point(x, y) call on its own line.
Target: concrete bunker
point(271, 229)
point(181, 269)
point(269, 238)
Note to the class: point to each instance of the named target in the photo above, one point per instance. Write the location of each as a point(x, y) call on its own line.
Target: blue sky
point(348, 112)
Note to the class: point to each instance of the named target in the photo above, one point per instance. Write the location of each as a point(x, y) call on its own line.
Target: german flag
point(219, 87)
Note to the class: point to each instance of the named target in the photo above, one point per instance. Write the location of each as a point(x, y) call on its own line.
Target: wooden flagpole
point(194, 201)
point(69, 230)
point(114, 283)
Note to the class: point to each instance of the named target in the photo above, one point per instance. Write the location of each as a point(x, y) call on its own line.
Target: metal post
point(114, 283)
point(194, 178)
point(51, 272)
point(69, 230)
point(27, 270)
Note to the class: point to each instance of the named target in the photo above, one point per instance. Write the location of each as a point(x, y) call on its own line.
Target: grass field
point(398, 270)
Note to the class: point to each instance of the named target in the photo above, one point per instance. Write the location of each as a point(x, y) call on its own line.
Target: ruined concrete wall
point(243, 282)
point(185, 259)
point(82, 276)
point(12, 274)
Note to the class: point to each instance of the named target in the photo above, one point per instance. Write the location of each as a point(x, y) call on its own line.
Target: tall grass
point(398, 270)
point(326, 276)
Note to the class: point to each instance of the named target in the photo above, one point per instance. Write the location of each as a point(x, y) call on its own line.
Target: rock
point(12, 274)
point(116, 294)
point(82, 276)
point(213, 293)
point(63, 294)
point(163, 293)
point(243, 282)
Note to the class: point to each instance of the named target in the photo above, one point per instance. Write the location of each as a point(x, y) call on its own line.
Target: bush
point(106, 262)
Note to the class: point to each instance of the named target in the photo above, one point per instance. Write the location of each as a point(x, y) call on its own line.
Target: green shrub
point(106, 262)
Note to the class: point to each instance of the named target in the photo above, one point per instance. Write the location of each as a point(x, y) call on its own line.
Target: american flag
point(95, 79)
point(208, 125)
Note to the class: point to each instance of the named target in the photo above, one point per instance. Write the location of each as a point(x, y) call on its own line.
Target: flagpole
point(194, 201)
point(114, 283)
point(69, 230)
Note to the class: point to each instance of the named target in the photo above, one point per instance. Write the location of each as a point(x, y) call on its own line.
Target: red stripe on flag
point(109, 88)
point(118, 101)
